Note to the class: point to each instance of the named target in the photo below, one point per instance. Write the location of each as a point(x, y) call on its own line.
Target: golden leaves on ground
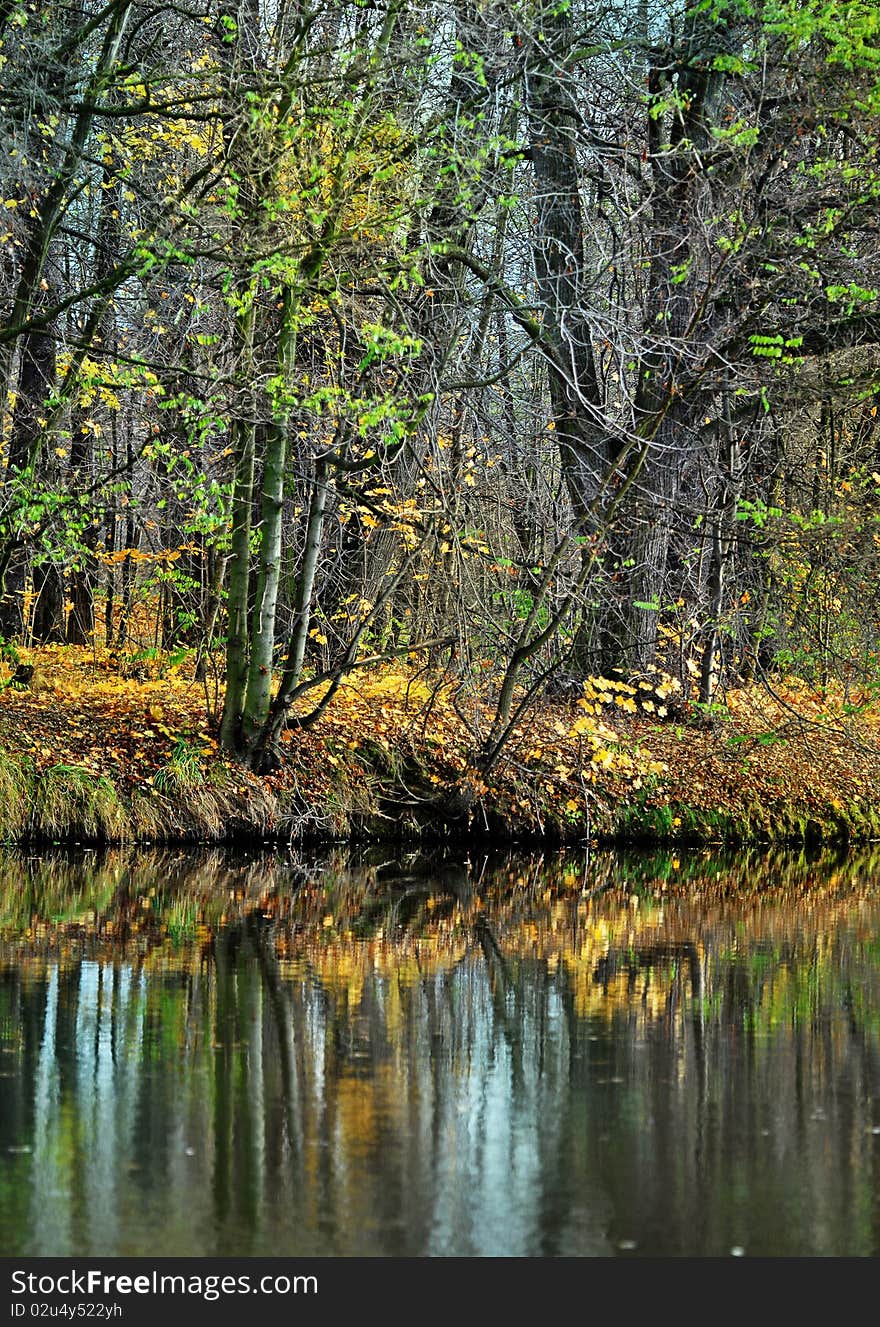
point(90, 711)
point(399, 745)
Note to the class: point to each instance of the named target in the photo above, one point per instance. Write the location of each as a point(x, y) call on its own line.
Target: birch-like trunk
point(302, 607)
point(262, 637)
point(239, 560)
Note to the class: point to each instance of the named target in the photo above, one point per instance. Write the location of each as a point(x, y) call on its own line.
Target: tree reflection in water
point(203, 1054)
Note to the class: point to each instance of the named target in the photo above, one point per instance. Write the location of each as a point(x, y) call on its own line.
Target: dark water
point(646, 1055)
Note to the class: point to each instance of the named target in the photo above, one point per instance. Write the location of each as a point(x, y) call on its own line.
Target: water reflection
point(529, 1057)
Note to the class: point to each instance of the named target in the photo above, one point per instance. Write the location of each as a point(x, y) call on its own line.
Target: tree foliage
point(539, 334)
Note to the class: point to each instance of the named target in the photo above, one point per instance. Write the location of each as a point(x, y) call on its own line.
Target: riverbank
point(91, 755)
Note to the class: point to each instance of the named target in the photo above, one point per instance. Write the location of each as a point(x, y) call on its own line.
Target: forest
point(453, 413)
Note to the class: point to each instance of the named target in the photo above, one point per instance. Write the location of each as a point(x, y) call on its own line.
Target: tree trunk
point(36, 380)
point(666, 406)
point(262, 635)
point(302, 612)
point(47, 628)
point(239, 580)
point(81, 619)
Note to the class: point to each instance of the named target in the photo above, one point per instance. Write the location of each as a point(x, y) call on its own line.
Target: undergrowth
point(16, 783)
point(72, 802)
point(94, 754)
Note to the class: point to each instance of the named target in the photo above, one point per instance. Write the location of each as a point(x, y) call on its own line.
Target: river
point(617, 1055)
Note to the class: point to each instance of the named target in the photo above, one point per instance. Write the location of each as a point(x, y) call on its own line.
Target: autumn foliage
point(99, 748)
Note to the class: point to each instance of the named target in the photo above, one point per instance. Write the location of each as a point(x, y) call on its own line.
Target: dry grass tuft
point(16, 782)
point(72, 802)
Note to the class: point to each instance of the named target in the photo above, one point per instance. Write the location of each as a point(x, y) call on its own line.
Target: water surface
point(202, 1054)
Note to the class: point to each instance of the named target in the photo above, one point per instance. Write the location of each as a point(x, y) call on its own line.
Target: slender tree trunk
point(262, 636)
point(239, 580)
point(128, 567)
point(216, 567)
point(36, 379)
point(111, 517)
point(251, 164)
point(302, 611)
point(81, 619)
point(731, 462)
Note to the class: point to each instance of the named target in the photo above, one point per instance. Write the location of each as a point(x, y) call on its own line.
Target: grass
point(183, 772)
point(73, 803)
point(189, 801)
point(16, 784)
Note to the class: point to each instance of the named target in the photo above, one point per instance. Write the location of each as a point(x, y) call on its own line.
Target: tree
point(511, 332)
